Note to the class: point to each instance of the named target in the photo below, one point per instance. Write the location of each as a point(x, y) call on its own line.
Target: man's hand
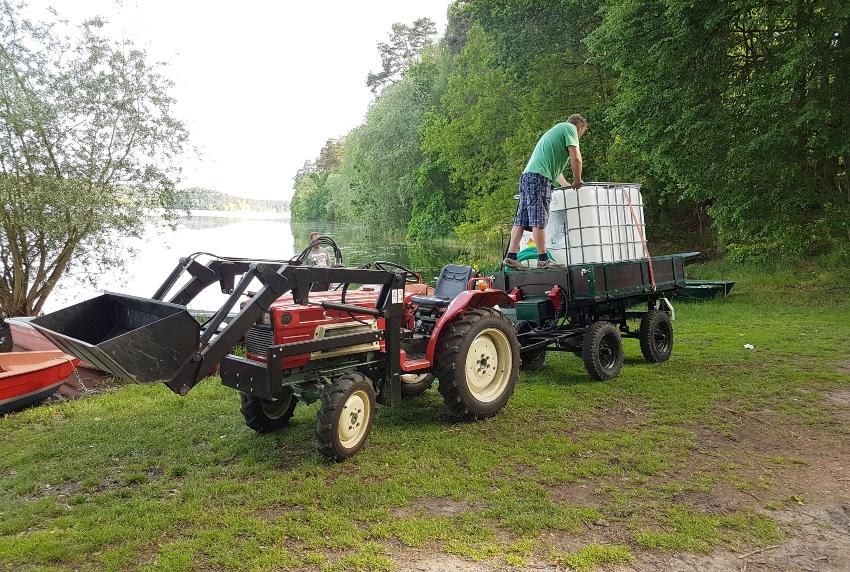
point(577, 185)
point(562, 181)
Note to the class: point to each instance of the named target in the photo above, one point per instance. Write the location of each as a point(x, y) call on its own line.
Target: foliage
point(743, 106)
point(87, 142)
point(733, 117)
point(405, 45)
point(196, 198)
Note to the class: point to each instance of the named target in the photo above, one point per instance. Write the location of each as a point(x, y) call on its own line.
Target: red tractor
point(379, 334)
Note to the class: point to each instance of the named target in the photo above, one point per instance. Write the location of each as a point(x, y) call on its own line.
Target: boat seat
point(453, 280)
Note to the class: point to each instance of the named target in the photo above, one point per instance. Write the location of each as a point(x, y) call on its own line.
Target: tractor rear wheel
point(264, 415)
point(477, 363)
point(656, 336)
point(345, 418)
point(602, 351)
point(415, 383)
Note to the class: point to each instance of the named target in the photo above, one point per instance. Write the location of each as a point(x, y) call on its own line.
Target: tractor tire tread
point(326, 418)
point(251, 408)
point(590, 351)
point(646, 334)
point(448, 350)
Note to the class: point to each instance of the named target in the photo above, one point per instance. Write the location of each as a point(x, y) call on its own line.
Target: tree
point(744, 106)
point(87, 146)
point(405, 46)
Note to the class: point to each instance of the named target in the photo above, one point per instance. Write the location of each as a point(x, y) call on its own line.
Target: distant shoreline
point(234, 214)
point(240, 214)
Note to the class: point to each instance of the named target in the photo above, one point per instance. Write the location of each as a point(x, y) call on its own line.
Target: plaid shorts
point(535, 192)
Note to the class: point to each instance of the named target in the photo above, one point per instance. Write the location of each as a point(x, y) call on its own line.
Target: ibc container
point(600, 222)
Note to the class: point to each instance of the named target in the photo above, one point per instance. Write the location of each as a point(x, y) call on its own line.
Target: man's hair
point(315, 233)
point(576, 120)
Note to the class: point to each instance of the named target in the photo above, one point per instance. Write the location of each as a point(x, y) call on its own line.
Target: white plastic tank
point(600, 222)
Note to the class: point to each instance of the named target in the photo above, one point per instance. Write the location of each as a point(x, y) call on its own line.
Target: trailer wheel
point(478, 363)
point(656, 336)
point(415, 383)
point(345, 417)
point(602, 351)
point(263, 415)
point(534, 360)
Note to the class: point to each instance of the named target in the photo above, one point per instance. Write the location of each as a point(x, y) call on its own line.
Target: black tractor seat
point(453, 281)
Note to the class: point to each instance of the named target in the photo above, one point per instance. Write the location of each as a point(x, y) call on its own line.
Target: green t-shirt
point(550, 156)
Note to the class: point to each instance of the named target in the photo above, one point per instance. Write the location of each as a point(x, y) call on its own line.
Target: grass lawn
point(713, 454)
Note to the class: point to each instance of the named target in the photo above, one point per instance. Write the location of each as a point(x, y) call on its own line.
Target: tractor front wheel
point(602, 351)
point(345, 418)
point(415, 383)
point(478, 363)
point(264, 415)
point(656, 336)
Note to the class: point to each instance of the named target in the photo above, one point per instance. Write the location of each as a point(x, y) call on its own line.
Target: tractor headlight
point(266, 319)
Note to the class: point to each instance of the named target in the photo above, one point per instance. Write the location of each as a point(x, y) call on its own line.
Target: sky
point(260, 85)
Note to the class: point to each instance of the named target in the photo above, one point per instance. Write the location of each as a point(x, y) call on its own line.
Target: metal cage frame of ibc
point(637, 228)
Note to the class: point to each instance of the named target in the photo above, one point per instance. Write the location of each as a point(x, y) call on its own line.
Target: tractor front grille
point(258, 339)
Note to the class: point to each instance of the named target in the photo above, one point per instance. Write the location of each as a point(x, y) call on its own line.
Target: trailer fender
point(488, 298)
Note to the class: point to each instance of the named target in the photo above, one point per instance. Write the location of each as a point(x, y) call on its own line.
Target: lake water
point(257, 235)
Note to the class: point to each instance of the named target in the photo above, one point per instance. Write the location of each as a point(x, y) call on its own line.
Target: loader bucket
point(136, 339)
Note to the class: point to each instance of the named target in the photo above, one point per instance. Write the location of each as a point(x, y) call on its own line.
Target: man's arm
point(562, 181)
point(576, 165)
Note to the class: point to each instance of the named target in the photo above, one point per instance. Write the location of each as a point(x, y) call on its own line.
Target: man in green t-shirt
point(556, 149)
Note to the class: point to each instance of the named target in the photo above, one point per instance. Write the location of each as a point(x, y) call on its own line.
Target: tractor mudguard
point(467, 299)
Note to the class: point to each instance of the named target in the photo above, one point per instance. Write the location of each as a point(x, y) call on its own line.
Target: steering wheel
point(410, 277)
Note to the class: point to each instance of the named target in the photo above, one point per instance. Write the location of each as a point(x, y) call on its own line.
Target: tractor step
point(415, 362)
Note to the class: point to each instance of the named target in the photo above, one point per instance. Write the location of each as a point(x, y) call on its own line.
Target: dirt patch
point(577, 494)
point(443, 563)
point(816, 539)
point(82, 383)
point(840, 402)
point(612, 419)
point(843, 367)
point(272, 513)
point(721, 499)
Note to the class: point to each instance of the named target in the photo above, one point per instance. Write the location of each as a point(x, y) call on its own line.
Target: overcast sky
point(260, 85)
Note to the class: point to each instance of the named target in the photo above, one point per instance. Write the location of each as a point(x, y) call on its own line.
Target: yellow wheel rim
point(488, 365)
point(275, 409)
point(354, 419)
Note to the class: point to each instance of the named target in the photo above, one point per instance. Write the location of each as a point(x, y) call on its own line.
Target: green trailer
point(588, 309)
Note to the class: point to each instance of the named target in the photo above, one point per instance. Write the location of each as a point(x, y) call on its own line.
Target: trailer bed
point(600, 282)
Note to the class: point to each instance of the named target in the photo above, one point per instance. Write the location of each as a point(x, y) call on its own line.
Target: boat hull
point(28, 378)
point(27, 338)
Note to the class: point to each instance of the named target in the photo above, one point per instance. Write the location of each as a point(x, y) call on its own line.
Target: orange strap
point(642, 236)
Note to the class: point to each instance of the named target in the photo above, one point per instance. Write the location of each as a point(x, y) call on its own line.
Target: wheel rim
point(608, 351)
point(354, 419)
point(413, 378)
point(488, 365)
point(275, 409)
point(661, 338)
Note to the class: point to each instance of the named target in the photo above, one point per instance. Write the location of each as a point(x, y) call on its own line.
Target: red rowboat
point(28, 378)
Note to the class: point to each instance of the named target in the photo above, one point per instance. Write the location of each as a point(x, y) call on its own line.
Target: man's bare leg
point(513, 247)
point(516, 236)
point(539, 236)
